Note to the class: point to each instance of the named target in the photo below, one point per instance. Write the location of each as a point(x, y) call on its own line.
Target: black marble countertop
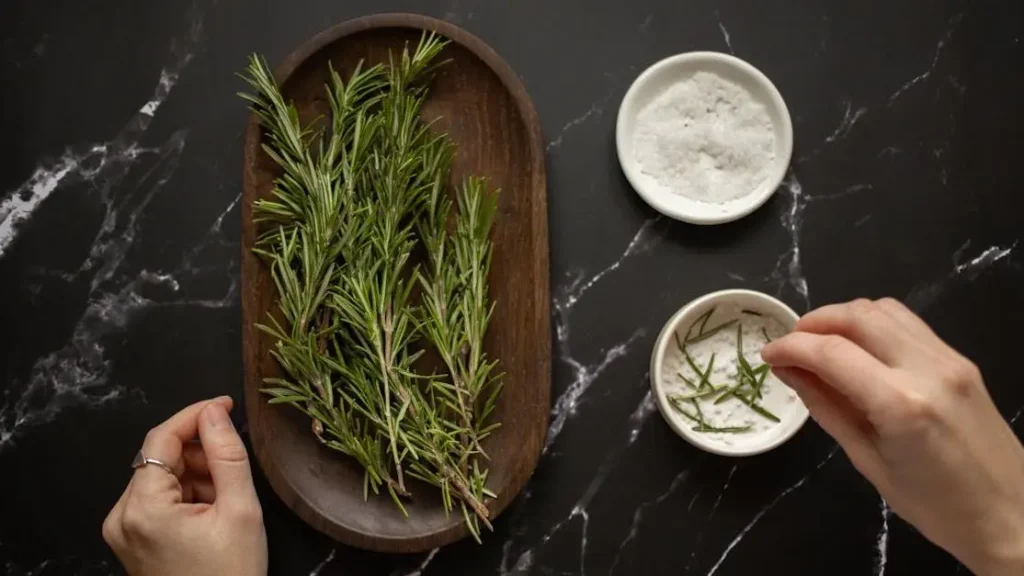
point(119, 250)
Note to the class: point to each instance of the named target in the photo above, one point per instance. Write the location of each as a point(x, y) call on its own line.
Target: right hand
point(914, 417)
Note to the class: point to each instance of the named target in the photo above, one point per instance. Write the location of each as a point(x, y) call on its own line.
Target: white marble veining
point(882, 541)
point(78, 373)
point(953, 25)
point(421, 567)
point(585, 375)
point(90, 162)
point(757, 517)
point(711, 515)
point(643, 240)
point(124, 208)
point(724, 31)
point(925, 295)
point(850, 118)
point(643, 410)
point(984, 260)
point(638, 515)
point(788, 269)
point(596, 109)
point(524, 561)
point(323, 563)
point(646, 24)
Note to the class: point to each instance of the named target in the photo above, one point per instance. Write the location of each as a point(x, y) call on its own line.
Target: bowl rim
point(783, 313)
point(739, 207)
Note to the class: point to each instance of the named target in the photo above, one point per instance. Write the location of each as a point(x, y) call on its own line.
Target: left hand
point(201, 520)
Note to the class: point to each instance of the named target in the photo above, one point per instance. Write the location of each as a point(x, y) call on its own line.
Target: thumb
point(227, 460)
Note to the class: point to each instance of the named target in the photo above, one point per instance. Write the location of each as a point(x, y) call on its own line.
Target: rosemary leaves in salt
point(747, 385)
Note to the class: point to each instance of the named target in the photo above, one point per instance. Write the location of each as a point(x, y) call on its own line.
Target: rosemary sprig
point(688, 382)
point(727, 394)
point(711, 332)
point(723, 430)
point(757, 407)
point(356, 196)
point(697, 395)
point(703, 321)
point(677, 405)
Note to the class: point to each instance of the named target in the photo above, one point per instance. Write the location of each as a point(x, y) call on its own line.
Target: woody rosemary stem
point(356, 197)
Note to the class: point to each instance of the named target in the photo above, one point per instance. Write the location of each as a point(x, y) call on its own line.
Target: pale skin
point(912, 414)
point(203, 520)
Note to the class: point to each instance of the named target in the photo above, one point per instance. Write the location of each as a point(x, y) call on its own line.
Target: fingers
point(113, 531)
point(203, 491)
point(197, 488)
point(910, 321)
point(228, 462)
point(165, 443)
point(195, 459)
point(837, 417)
point(864, 323)
point(837, 362)
point(832, 411)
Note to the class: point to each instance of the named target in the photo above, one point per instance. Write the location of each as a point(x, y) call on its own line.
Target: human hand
point(202, 520)
point(914, 417)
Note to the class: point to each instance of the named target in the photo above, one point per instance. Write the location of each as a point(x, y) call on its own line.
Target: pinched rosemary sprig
point(356, 195)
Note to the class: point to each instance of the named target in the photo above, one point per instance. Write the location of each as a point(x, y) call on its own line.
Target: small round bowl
point(748, 444)
point(658, 78)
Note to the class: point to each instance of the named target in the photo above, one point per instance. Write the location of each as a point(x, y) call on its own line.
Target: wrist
point(1003, 563)
point(1002, 558)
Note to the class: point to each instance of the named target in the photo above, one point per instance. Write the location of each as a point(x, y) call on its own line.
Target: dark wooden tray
point(479, 101)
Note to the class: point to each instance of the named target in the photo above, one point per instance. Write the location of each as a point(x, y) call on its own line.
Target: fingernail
point(217, 417)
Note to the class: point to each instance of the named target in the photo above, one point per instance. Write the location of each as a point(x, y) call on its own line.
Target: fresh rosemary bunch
point(359, 196)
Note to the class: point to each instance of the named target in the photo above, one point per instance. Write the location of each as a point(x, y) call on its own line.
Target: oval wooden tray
point(479, 101)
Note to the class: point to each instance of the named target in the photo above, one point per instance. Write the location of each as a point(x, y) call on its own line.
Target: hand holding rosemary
point(359, 193)
point(713, 381)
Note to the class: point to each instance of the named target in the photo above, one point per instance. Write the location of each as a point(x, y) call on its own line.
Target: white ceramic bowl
point(792, 419)
point(662, 75)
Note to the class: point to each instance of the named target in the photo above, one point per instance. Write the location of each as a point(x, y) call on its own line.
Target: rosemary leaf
point(702, 320)
point(722, 430)
point(700, 413)
point(711, 332)
point(696, 395)
point(688, 382)
point(757, 408)
point(677, 405)
point(726, 395)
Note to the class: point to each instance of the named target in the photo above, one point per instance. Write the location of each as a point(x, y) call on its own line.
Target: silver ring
point(141, 460)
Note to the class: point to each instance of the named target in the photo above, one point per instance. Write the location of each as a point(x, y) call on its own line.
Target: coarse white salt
point(705, 138)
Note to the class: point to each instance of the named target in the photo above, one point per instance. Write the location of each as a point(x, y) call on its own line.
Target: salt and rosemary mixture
point(707, 139)
point(715, 381)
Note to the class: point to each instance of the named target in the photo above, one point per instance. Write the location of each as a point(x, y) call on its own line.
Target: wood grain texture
point(481, 104)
